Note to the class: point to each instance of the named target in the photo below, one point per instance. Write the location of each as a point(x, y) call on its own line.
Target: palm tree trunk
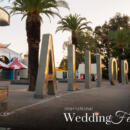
point(74, 39)
point(33, 25)
point(33, 64)
point(120, 58)
point(75, 42)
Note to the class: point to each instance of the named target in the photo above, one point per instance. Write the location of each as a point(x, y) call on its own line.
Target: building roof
point(4, 45)
point(9, 53)
point(16, 64)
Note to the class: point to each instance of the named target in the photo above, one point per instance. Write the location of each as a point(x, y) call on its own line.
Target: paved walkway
point(45, 114)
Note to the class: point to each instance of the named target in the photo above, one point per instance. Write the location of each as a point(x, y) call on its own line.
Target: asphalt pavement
point(24, 112)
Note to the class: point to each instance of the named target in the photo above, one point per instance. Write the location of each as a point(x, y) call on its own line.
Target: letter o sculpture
point(113, 71)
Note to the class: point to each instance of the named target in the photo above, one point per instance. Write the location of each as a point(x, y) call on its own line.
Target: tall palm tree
point(33, 10)
point(73, 23)
point(120, 39)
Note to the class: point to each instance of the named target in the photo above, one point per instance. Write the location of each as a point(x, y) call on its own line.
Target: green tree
point(119, 21)
point(104, 46)
point(63, 64)
point(121, 40)
point(33, 10)
point(73, 23)
point(85, 42)
point(101, 34)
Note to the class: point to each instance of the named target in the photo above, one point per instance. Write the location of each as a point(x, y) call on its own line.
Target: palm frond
point(74, 23)
point(62, 3)
point(120, 37)
point(47, 7)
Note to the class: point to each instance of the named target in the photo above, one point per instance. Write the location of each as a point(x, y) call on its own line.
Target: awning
point(57, 69)
point(4, 45)
point(16, 64)
point(3, 65)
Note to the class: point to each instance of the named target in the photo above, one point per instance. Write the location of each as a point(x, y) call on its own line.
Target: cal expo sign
point(4, 17)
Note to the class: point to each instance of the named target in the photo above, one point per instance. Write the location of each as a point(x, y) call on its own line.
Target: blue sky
point(96, 11)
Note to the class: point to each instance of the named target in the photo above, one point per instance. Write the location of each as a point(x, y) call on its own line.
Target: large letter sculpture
point(99, 70)
point(124, 71)
point(87, 69)
point(113, 71)
point(71, 68)
point(46, 79)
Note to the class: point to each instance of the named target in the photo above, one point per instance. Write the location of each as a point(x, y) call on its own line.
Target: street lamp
point(4, 17)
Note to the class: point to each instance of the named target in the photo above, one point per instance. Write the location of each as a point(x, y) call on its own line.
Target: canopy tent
point(16, 64)
point(3, 65)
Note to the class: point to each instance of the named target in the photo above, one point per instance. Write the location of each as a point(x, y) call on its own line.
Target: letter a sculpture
point(46, 78)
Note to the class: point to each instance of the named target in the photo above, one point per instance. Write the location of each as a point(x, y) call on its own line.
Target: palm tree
point(120, 39)
point(33, 10)
point(73, 23)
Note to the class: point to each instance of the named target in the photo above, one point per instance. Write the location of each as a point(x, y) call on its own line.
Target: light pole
point(4, 17)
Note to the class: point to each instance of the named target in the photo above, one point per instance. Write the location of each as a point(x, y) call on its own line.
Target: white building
point(81, 69)
point(61, 74)
point(6, 54)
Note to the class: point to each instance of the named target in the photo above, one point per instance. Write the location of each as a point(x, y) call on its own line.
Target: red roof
point(16, 64)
